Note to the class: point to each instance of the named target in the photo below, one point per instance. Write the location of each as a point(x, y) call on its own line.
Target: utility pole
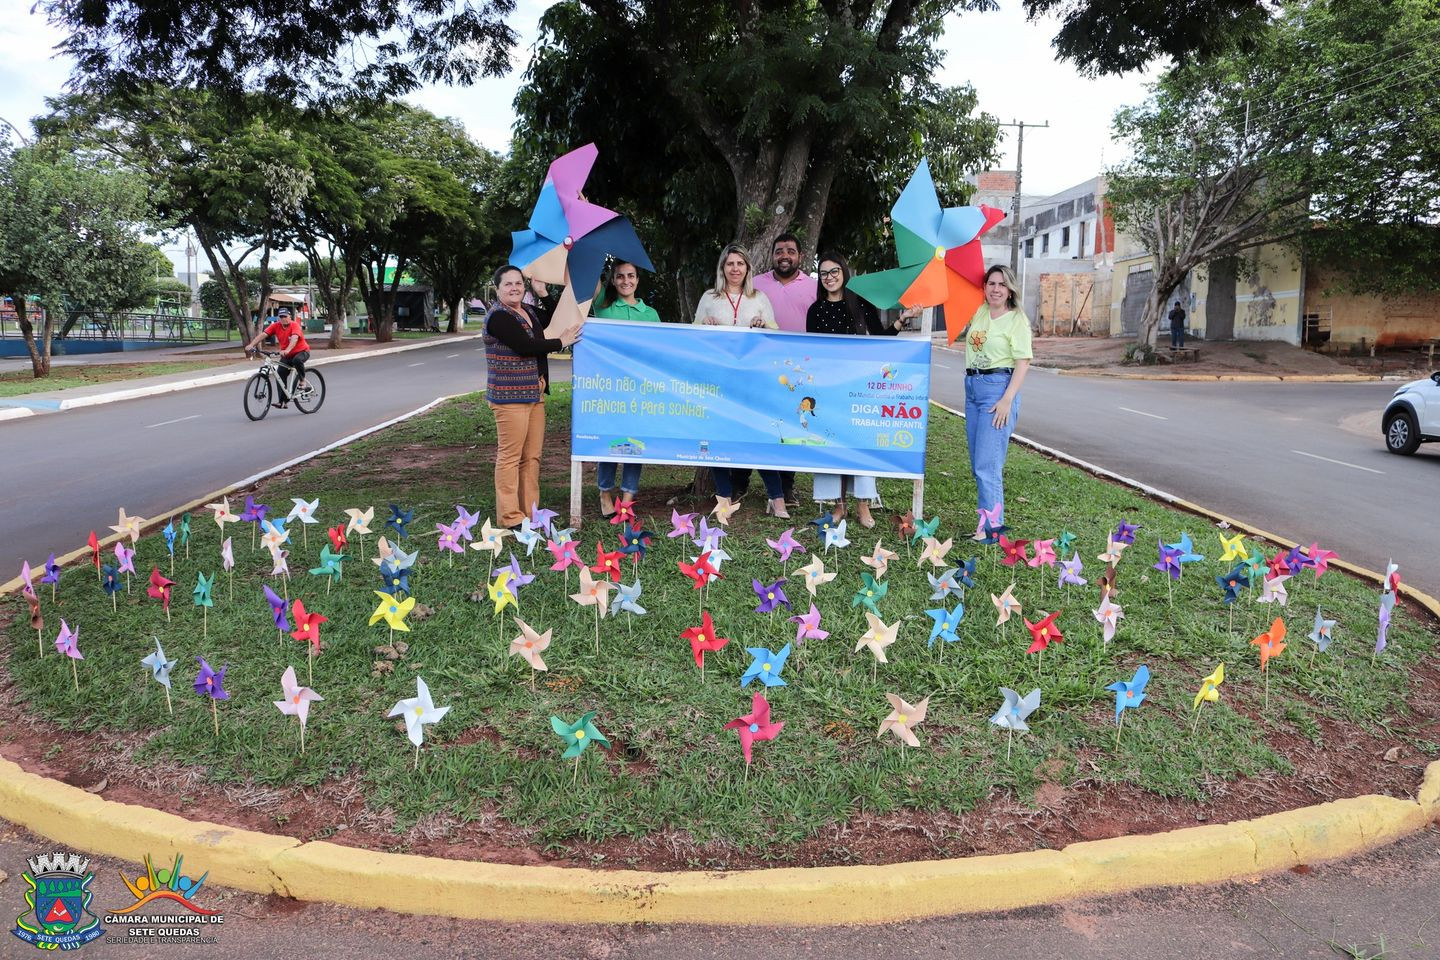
point(1015, 206)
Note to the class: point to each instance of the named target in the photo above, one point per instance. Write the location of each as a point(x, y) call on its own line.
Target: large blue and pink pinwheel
point(569, 237)
point(939, 254)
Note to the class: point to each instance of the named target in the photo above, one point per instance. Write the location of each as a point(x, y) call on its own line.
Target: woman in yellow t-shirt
point(997, 356)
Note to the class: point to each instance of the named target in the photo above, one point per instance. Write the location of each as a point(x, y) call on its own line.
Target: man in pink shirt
point(790, 291)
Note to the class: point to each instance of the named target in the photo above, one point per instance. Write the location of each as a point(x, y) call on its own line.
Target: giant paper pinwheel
point(569, 237)
point(939, 254)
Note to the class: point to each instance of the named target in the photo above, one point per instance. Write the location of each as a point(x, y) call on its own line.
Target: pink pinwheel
point(809, 626)
point(68, 642)
point(564, 554)
point(755, 725)
point(786, 545)
point(1108, 614)
point(989, 520)
point(1044, 554)
point(1320, 558)
point(681, 524)
point(624, 513)
point(26, 575)
point(297, 701)
point(771, 595)
point(450, 538)
point(159, 589)
point(277, 609)
point(124, 558)
point(227, 555)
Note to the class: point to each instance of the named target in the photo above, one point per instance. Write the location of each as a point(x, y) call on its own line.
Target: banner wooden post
point(577, 472)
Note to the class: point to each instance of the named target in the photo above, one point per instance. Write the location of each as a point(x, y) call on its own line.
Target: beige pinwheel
point(815, 574)
point(935, 551)
point(878, 637)
point(1005, 605)
point(594, 593)
point(903, 718)
point(359, 521)
point(129, 526)
point(530, 645)
point(879, 559)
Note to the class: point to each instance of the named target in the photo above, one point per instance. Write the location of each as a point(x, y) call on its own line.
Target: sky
point(1008, 60)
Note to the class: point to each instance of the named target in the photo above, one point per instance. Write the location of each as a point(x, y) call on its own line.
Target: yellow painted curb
point(369, 879)
point(1225, 377)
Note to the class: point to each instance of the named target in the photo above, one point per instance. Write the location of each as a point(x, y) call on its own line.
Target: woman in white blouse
point(734, 301)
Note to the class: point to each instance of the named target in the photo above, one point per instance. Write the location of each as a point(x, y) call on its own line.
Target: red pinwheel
point(94, 545)
point(1015, 550)
point(307, 625)
point(160, 589)
point(755, 725)
point(1044, 633)
point(337, 537)
point(703, 638)
point(1279, 566)
point(624, 513)
point(607, 564)
point(700, 571)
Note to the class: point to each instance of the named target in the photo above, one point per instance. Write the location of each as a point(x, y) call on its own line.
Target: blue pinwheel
point(400, 520)
point(946, 585)
point(396, 579)
point(1129, 694)
point(766, 666)
point(169, 533)
point(1233, 582)
point(966, 573)
point(634, 541)
point(569, 238)
point(946, 623)
point(1185, 550)
point(627, 598)
point(822, 524)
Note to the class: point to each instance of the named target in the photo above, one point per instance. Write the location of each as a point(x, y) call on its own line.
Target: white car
point(1412, 416)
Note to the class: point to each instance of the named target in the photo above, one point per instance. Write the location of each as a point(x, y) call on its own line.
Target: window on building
point(1064, 238)
point(1045, 243)
point(1030, 248)
point(1080, 239)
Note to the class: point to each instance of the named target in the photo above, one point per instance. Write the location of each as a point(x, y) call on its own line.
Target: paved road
point(1301, 460)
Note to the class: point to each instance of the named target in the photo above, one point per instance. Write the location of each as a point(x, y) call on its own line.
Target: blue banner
point(700, 396)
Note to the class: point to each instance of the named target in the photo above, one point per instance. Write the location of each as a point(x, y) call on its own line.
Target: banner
point(722, 396)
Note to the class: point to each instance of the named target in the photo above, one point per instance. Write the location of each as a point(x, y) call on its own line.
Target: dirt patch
point(1221, 357)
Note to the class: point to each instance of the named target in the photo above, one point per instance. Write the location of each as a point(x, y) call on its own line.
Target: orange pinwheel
point(606, 564)
point(1271, 642)
point(703, 638)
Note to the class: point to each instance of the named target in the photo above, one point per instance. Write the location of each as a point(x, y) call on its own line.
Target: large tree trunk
point(1167, 278)
point(39, 353)
point(226, 271)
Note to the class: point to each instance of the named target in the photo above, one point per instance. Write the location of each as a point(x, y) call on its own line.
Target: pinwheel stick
point(302, 738)
point(305, 536)
point(362, 546)
point(1118, 727)
point(1170, 589)
point(253, 527)
point(1196, 725)
point(576, 775)
point(416, 764)
point(874, 667)
point(287, 588)
point(309, 679)
point(1009, 741)
point(215, 715)
point(114, 605)
point(167, 613)
point(172, 563)
point(74, 675)
point(204, 621)
point(1265, 707)
point(52, 591)
point(168, 705)
point(127, 584)
point(597, 633)
point(39, 643)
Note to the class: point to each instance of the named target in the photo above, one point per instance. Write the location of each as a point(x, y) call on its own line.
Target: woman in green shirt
point(997, 356)
point(618, 302)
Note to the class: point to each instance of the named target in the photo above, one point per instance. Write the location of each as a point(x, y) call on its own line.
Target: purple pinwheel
point(52, 571)
point(989, 519)
point(541, 518)
point(464, 523)
point(68, 642)
point(124, 558)
point(451, 538)
point(277, 609)
point(681, 524)
point(786, 545)
point(518, 577)
point(1380, 636)
point(1297, 559)
point(771, 595)
point(211, 683)
point(1070, 571)
point(1169, 560)
point(809, 628)
point(1125, 532)
point(707, 537)
point(254, 512)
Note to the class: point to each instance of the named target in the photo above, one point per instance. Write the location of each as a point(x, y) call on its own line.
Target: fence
point(100, 325)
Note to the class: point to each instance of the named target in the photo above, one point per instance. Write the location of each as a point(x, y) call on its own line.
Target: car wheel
point(1402, 435)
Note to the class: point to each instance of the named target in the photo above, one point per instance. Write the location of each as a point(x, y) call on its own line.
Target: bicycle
point(271, 386)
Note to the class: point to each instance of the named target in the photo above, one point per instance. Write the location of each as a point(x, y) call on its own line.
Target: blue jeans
point(726, 480)
point(1177, 337)
point(629, 477)
point(987, 444)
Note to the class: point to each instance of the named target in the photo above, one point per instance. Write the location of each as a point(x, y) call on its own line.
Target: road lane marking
point(166, 423)
point(1353, 466)
point(420, 364)
point(451, 356)
point(1153, 416)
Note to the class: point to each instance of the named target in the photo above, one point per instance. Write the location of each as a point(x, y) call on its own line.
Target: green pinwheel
point(578, 736)
point(203, 599)
point(870, 593)
point(331, 565)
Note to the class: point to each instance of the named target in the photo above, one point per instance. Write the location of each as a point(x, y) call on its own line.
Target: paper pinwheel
point(94, 544)
point(1065, 543)
point(130, 526)
point(1319, 558)
point(564, 554)
point(1232, 583)
point(904, 525)
point(159, 667)
point(518, 578)
point(815, 575)
point(966, 572)
point(392, 611)
point(771, 595)
point(307, 625)
point(25, 575)
point(634, 540)
point(125, 558)
point(809, 626)
point(593, 593)
point(501, 593)
point(303, 510)
point(159, 589)
point(1296, 559)
point(925, 528)
point(110, 581)
point(1044, 554)
point(624, 512)
point(1256, 566)
point(766, 666)
point(1113, 552)
point(1234, 547)
point(527, 536)
point(1382, 633)
point(393, 580)
point(1125, 533)
point(945, 585)
point(878, 637)
point(1271, 642)
point(1169, 561)
point(418, 711)
point(1391, 583)
point(569, 238)
point(708, 537)
point(52, 574)
point(541, 519)
point(1014, 551)
point(68, 642)
point(835, 537)
point(722, 512)
point(337, 537)
point(1108, 615)
point(1129, 694)
point(491, 538)
point(755, 725)
point(185, 533)
point(1106, 583)
point(786, 545)
point(578, 735)
point(1209, 688)
point(945, 624)
point(1043, 633)
point(222, 514)
point(700, 570)
point(903, 719)
point(253, 512)
point(871, 592)
point(449, 538)
point(277, 609)
point(211, 683)
point(202, 595)
point(1005, 605)
point(823, 523)
point(297, 700)
point(879, 559)
point(359, 522)
point(935, 551)
point(1323, 633)
point(627, 598)
point(281, 564)
point(331, 565)
point(939, 255)
point(169, 534)
point(989, 521)
point(1279, 565)
point(275, 534)
point(1016, 709)
point(1186, 550)
point(400, 520)
point(606, 563)
point(681, 524)
point(1275, 592)
point(400, 559)
point(703, 638)
point(1070, 571)
point(530, 645)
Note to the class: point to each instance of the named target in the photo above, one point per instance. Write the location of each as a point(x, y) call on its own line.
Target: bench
point(1184, 354)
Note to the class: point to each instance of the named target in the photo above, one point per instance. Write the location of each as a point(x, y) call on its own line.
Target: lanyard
point(734, 306)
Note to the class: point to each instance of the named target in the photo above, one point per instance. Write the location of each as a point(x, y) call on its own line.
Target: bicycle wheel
point(257, 397)
point(310, 399)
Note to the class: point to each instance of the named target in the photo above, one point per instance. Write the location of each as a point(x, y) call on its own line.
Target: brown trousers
point(520, 436)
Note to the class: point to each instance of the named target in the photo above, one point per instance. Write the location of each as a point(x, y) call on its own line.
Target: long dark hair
point(858, 326)
point(609, 294)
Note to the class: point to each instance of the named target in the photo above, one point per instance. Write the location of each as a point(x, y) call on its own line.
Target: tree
point(1117, 36)
point(471, 239)
point(315, 52)
point(69, 234)
point(737, 121)
point(1257, 148)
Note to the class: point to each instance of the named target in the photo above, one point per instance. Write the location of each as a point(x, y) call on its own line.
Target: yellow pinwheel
point(1234, 547)
point(501, 593)
point(392, 611)
point(1209, 691)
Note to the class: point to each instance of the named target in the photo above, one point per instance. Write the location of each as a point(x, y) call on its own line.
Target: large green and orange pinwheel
point(939, 253)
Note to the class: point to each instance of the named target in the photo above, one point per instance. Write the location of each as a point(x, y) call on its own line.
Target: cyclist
point(294, 351)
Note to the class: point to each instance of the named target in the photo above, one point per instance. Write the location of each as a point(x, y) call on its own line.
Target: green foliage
point(1117, 36)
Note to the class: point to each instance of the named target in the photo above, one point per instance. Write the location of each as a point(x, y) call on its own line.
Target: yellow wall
point(1267, 295)
point(1384, 321)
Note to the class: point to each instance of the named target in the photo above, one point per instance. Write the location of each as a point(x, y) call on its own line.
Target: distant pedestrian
point(1177, 326)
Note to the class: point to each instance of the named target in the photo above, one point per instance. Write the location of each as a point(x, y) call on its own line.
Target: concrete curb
point(366, 879)
point(15, 413)
point(1222, 377)
point(232, 376)
point(319, 870)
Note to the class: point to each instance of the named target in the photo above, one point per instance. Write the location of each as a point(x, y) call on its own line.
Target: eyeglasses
point(827, 274)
